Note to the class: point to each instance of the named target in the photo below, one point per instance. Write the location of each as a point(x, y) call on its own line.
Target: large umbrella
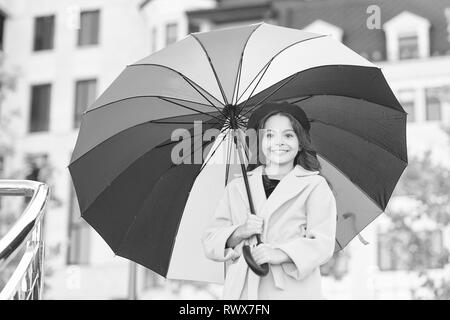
point(152, 210)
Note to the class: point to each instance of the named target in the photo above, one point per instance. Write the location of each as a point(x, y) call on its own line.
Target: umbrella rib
point(179, 221)
point(179, 122)
point(211, 104)
point(238, 75)
point(277, 54)
point(295, 101)
point(391, 107)
point(338, 95)
point(130, 227)
point(142, 123)
point(227, 164)
point(353, 183)
point(238, 79)
point(362, 191)
point(123, 170)
point(246, 101)
point(339, 244)
point(193, 109)
point(196, 135)
point(179, 73)
point(212, 68)
point(264, 68)
point(361, 138)
point(269, 95)
point(177, 141)
point(207, 160)
point(209, 114)
point(142, 96)
point(302, 99)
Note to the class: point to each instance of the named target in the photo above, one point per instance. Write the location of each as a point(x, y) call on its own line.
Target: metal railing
point(26, 281)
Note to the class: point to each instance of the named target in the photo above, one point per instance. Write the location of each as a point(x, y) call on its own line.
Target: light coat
point(299, 218)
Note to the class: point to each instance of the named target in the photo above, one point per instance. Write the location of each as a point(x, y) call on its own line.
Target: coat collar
point(291, 185)
point(298, 171)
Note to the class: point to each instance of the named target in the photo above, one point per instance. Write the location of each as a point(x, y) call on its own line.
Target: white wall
point(122, 40)
point(420, 74)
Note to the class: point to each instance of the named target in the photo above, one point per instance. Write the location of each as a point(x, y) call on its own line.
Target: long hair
point(306, 157)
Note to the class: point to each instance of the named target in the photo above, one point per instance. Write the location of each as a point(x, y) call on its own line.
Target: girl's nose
point(279, 141)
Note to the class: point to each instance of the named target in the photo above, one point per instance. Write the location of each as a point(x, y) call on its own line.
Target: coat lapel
point(291, 185)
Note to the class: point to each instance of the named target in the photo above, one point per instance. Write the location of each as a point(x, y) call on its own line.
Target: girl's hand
point(264, 253)
point(253, 225)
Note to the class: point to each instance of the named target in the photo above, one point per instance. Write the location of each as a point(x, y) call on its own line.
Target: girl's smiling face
point(280, 143)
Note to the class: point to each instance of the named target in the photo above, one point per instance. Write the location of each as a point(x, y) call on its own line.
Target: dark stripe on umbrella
point(374, 170)
point(344, 80)
point(161, 208)
point(102, 123)
point(152, 226)
point(152, 236)
point(374, 123)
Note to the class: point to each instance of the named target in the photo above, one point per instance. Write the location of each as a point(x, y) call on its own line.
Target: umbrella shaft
point(244, 174)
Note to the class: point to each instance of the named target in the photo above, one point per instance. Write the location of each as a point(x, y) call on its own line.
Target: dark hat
point(286, 107)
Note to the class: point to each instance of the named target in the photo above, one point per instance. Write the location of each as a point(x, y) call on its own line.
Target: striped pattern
point(153, 211)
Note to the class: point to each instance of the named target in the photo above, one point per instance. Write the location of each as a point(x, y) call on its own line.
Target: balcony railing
point(26, 281)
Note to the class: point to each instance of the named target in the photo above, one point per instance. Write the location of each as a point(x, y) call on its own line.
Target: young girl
point(295, 215)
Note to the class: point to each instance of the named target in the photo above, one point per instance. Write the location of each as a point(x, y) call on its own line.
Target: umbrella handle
point(260, 270)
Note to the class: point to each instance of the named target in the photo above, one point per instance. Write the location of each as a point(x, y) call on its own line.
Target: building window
point(40, 108)
point(44, 29)
point(79, 234)
point(408, 47)
point(193, 27)
point(2, 166)
point(88, 33)
point(407, 100)
point(35, 163)
point(171, 33)
point(2, 28)
point(38, 169)
point(2, 172)
point(433, 100)
point(400, 251)
point(152, 280)
point(85, 93)
point(407, 36)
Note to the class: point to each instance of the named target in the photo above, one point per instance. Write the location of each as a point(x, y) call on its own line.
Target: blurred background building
point(57, 56)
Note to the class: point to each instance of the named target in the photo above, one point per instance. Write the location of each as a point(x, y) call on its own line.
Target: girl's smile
point(280, 144)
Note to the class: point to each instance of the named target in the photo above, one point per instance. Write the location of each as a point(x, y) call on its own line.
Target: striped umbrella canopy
point(152, 209)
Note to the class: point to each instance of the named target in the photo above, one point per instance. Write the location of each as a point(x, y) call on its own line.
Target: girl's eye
point(289, 135)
